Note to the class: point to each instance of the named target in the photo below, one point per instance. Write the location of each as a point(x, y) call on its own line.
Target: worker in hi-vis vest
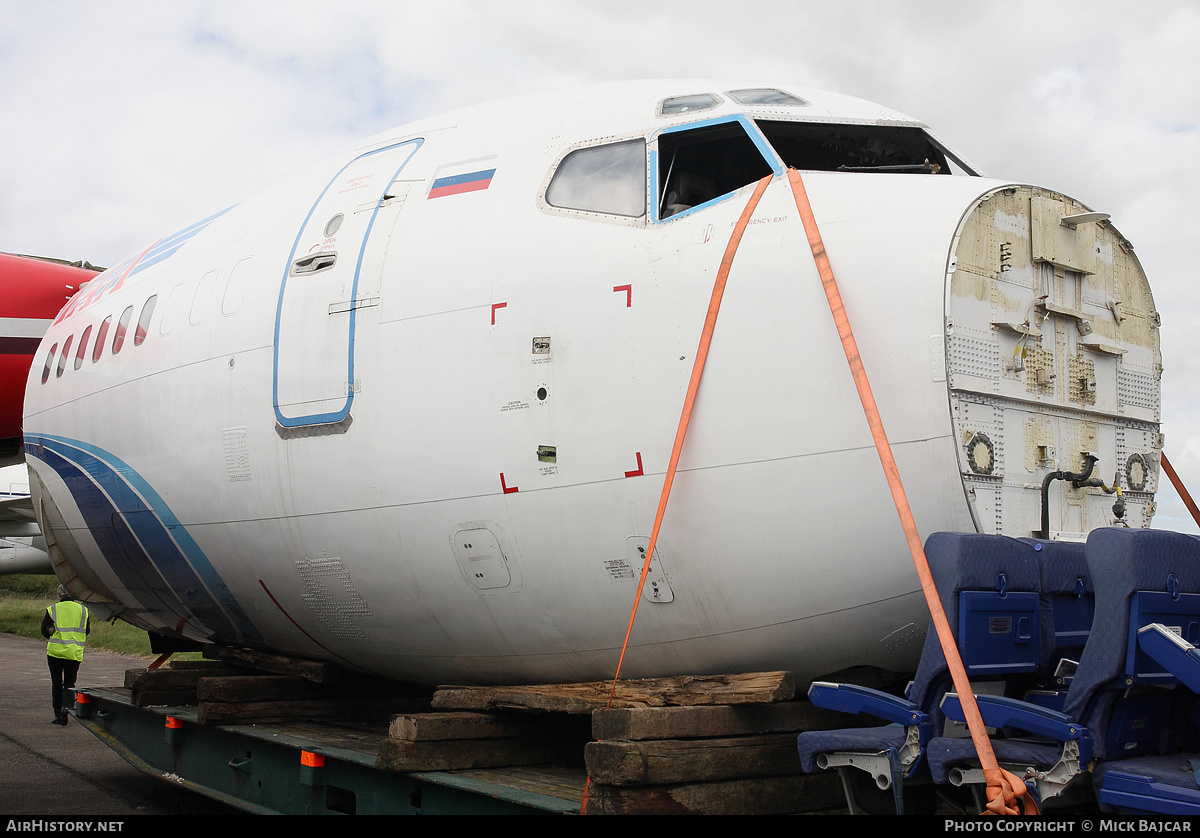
point(66, 625)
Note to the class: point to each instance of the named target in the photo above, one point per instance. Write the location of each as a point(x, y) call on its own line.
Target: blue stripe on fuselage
point(141, 538)
point(111, 534)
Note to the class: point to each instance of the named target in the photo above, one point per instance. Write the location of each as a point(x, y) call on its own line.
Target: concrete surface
point(49, 770)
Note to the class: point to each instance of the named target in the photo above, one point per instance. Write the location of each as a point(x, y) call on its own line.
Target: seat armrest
point(1172, 652)
point(850, 698)
point(999, 711)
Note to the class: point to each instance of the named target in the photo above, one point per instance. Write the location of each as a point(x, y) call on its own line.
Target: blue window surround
point(760, 142)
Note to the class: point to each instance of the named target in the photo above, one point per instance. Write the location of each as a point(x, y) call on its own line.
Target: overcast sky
point(123, 121)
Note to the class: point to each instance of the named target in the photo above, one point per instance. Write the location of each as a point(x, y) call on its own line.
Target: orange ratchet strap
point(1003, 788)
point(710, 323)
point(1180, 488)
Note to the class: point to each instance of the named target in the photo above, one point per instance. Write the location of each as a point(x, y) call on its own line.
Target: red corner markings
point(508, 490)
point(494, 307)
point(628, 289)
point(639, 471)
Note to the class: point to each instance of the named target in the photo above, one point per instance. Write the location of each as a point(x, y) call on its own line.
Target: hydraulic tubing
point(1089, 464)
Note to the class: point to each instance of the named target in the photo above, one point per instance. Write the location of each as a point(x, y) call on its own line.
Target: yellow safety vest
point(70, 630)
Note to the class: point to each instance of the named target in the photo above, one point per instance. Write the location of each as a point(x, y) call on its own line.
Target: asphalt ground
point(50, 773)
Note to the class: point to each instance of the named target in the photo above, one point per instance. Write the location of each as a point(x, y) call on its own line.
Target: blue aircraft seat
point(989, 587)
point(1122, 707)
point(1068, 602)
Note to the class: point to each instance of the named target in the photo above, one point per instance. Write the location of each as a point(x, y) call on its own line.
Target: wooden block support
point(430, 727)
point(692, 722)
point(319, 672)
point(251, 688)
point(276, 712)
point(172, 679)
point(457, 754)
point(763, 796)
point(618, 762)
point(687, 690)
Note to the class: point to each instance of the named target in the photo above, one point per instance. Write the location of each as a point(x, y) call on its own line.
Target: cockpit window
point(858, 148)
point(766, 96)
point(688, 104)
point(702, 164)
point(605, 178)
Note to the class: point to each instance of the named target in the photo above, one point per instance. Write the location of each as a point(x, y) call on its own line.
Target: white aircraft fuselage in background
point(410, 409)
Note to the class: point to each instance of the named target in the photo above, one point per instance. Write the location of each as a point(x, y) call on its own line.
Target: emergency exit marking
point(639, 471)
point(628, 289)
point(494, 307)
point(508, 490)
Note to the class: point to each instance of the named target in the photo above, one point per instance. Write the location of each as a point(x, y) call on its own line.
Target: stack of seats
point(1122, 708)
point(990, 589)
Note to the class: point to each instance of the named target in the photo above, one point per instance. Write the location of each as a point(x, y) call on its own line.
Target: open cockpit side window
point(811, 146)
point(704, 162)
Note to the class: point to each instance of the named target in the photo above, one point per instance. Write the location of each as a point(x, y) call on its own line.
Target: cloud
point(127, 120)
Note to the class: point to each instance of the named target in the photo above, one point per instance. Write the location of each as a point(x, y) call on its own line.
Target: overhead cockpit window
point(143, 325)
point(605, 178)
point(49, 363)
point(699, 165)
point(766, 96)
point(823, 147)
point(122, 327)
point(688, 104)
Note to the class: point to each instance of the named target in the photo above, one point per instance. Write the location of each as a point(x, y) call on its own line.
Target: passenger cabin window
point(83, 345)
point(122, 327)
point(810, 146)
point(139, 336)
point(49, 363)
point(606, 178)
point(699, 165)
point(62, 359)
point(98, 350)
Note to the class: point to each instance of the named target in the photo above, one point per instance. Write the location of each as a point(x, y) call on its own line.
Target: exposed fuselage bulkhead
point(410, 409)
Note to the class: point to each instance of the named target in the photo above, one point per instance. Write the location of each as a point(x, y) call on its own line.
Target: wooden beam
point(618, 762)
point(249, 688)
point(275, 712)
point(692, 722)
point(763, 796)
point(687, 690)
point(309, 670)
point(426, 727)
point(172, 679)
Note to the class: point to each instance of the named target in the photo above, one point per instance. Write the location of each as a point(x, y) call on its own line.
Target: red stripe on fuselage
point(459, 188)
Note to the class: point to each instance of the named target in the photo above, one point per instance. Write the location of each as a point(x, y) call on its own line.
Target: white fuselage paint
point(393, 540)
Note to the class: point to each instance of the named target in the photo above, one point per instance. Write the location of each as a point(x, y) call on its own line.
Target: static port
point(541, 394)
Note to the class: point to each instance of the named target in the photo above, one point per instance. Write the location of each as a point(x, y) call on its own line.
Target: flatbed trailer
point(262, 743)
point(311, 768)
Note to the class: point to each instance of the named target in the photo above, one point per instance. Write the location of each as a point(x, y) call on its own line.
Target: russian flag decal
point(457, 184)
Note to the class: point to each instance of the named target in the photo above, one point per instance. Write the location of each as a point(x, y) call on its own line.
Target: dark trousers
point(62, 677)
